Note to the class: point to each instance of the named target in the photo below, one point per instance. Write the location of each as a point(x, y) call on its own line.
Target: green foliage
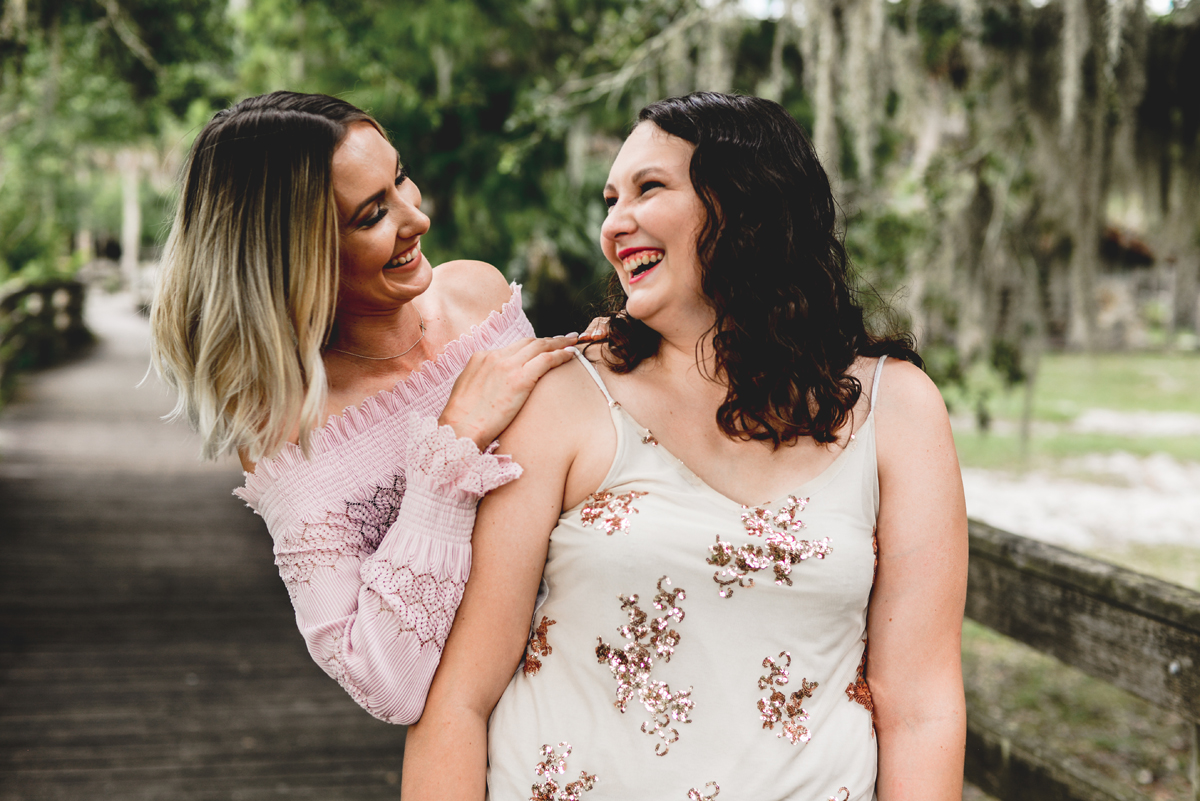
point(939, 25)
point(880, 241)
point(462, 88)
point(508, 113)
point(78, 81)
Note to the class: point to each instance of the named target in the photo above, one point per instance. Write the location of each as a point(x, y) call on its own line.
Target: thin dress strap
point(874, 381)
point(595, 375)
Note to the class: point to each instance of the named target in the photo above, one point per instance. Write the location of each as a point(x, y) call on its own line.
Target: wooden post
point(1194, 768)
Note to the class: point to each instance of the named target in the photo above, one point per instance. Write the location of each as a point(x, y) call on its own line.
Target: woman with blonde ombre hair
point(304, 329)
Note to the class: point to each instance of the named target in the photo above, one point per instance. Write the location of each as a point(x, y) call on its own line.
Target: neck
point(378, 335)
point(689, 354)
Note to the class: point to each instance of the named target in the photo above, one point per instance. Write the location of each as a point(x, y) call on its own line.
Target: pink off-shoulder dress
point(372, 532)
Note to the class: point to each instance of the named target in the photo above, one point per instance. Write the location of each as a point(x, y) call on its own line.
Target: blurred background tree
point(1014, 174)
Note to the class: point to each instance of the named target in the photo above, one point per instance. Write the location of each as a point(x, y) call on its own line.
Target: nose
point(618, 223)
point(413, 221)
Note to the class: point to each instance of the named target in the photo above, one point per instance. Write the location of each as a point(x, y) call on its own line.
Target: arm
point(445, 753)
point(914, 624)
point(376, 618)
point(375, 610)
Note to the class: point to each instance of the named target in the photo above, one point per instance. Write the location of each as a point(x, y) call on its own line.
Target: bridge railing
point(40, 323)
point(1130, 630)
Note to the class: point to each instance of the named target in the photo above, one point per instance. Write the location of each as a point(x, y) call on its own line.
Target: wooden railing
point(40, 323)
point(1130, 630)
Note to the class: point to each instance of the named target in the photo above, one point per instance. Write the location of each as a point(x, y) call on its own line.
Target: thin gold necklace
point(386, 358)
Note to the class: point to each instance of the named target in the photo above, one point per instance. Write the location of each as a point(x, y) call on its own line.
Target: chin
point(638, 310)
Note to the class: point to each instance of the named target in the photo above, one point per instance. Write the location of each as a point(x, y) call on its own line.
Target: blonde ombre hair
point(249, 278)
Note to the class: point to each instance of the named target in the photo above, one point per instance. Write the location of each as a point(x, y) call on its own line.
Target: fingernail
point(572, 334)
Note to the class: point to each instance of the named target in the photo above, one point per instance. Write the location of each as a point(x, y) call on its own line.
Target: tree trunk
point(128, 163)
point(715, 70)
point(825, 54)
point(443, 67)
point(772, 87)
point(677, 64)
point(14, 21)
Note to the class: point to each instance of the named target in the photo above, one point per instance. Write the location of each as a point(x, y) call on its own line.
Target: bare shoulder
point(905, 389)
point(473, 289)
point(559, 397)
point(565, 425)
point(914, 443)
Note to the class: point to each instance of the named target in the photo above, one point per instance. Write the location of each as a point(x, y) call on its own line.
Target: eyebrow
point(637, 176)
point(375, 198)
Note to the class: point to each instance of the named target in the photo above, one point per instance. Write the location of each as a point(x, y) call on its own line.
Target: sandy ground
point(1124, 499)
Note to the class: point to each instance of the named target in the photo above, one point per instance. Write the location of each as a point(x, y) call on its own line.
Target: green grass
point(1105, 729)
point(1070, 384)
point(1002, 451)
point(1178, 564)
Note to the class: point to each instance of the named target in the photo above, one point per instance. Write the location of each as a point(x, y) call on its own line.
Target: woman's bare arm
point(914, 625)
point(445, 753)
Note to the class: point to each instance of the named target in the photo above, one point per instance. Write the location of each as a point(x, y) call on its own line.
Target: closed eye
point(648, 185)
point(382, 211)
point(374, 218)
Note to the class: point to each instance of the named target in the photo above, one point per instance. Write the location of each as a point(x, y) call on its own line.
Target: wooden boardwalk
point(147, 646)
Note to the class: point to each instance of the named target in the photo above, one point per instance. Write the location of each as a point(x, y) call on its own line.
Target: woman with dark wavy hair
point(747, 506)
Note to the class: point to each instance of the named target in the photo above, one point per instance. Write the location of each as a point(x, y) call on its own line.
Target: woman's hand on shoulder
point(496, 383)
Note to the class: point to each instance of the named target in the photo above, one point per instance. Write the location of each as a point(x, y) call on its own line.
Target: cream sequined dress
point(690, 647)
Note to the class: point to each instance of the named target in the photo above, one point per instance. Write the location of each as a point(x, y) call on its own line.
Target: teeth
point(643, 257)
point(406, 258)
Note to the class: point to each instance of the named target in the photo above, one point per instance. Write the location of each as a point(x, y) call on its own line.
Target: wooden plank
point(148, 650)
point(1030, 771)
point(1133, 631)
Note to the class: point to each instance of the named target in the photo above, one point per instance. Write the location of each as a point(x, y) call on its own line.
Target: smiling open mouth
point(642, 262)
point(406, 257)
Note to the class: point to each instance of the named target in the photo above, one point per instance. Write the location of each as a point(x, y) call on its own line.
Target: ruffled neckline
point(354, 420)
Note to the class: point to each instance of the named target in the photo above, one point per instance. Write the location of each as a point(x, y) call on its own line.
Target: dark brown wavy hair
point(774, 269)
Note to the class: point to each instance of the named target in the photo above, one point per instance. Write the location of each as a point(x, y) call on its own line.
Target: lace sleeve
point(376, 583)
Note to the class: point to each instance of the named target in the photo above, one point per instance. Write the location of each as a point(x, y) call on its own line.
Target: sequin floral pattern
point(782, 548)
point(778, 708)
point(875, 551)
point(631, 666)
point(609, 511)
point(857, 690)
point(556, 763)
point(538, 646)
point(843, 794)
point(695, 794)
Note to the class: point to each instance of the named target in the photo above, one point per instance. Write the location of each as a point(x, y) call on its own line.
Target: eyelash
point(383, 210)
point(646, 187)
